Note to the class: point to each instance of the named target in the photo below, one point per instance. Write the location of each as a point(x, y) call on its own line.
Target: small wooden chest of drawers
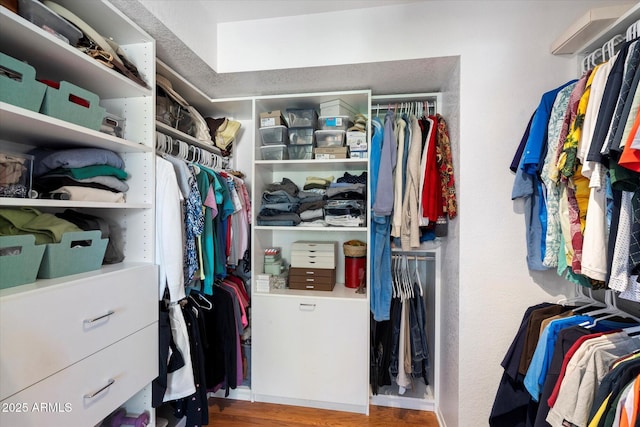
point(315, 279)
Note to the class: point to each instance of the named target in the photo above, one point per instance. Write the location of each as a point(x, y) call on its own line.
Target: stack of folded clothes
point(312, 201)
point(346, 201)
point(280, 204)
point(80, 174)
point(45, 227)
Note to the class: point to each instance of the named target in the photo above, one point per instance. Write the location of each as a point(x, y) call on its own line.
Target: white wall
point(505, 68)
point(192, 22)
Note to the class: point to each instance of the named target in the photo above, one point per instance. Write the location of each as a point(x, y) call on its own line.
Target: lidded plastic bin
point(273, 135)
point(330, 138)
point(274, 152)
point(302, 117)
point(40, 15)
point(334, 122)
point(301, 136)
point(300, 152)
point(16, 170)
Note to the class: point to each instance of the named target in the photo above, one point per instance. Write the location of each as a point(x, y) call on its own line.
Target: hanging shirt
point(169, 226)
point(384, 199)
point(398, 179)
point(445, 168)
point(527, 184)
point(410, 235)
point(553, 235)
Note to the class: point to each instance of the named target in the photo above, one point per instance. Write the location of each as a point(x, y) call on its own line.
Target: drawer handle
point(311, 272)
point(307, 307)
point(311, 279)
point(95, 319)
point(95, 393)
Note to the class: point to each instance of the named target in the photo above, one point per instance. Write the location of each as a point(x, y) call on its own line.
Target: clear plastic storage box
point(301, 136)
point(16, 170)
point(300, 152)
point(43, 17)
point(273, 135)
point(302, 117)
point(334, 122)
point(274, 152)
point(329, 138)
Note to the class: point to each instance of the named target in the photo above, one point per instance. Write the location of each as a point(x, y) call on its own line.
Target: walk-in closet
point(301, 204)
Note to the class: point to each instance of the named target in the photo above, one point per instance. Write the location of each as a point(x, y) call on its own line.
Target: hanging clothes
point(571, 356)
point(400, 350)
point(584, 206)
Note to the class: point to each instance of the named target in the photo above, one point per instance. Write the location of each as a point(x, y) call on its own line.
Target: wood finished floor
point(240, 413)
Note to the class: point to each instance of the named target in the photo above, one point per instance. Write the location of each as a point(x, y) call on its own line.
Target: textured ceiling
point(393, 77)
point(242, 10)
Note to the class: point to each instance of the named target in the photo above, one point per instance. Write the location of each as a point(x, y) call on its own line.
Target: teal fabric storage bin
point(23, 90)
point(77, 252)
point(57, 103)
point(20, 259)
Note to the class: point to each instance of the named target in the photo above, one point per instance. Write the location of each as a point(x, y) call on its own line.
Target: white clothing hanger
point(611, 310)
point(633, 31)
point(418, 277)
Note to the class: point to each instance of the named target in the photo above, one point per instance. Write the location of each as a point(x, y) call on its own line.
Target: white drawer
point(307, 245)
point(64, 399)
point(320, 260)
point(46, 330)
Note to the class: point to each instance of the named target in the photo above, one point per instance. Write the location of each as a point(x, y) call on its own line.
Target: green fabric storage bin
point(57, 103)
point(24, 91)
point(67, 257)
point(20, 259)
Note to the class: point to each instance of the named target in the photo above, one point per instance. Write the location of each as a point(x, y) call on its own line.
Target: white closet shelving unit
point(309, 348)
point(48, 354)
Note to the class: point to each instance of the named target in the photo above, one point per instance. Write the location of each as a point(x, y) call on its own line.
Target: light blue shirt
point(537, 372)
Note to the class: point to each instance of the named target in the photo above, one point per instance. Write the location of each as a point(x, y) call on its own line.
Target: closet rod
point(188, 152)
point(609, 48)
point(413, 257)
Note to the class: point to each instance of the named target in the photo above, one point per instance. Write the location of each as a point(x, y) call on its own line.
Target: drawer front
point(86, 392)
point(312, 272)
point(312, 261)
point(311, 285)
point(44, 331)
point(314, 246)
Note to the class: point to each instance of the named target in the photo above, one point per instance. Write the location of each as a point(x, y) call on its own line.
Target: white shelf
point(304, 228)
point(45, 203)
point(50, 284)
point(619, 26)
point(35, 129)
point(56, 60)
point(314, 165)
point(176, 134)
point(340, 291)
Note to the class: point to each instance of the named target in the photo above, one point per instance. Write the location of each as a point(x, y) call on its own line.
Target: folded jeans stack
point(280, 204)
point(346, 201)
